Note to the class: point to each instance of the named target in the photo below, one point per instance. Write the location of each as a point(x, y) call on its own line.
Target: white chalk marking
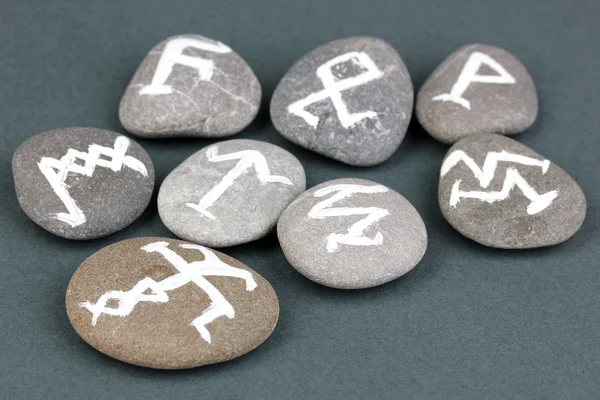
point(193, 272)
point(333, 88)
point(247, 159)
point(486, 174)
point(469, 75)
point(354, 236)
point(173, 54)
point(57, 171)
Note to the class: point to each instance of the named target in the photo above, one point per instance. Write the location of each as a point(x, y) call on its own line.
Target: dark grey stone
point(82, 183)
point(498, 192)
point(190, 86)
point(450, 110)
point(352, 234)
point(230, 192)
point(365, 121)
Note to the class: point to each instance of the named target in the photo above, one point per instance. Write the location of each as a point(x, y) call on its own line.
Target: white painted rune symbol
point(57, 171)
point(486, 174)
point(354, 236)
point(247, 159)
point(173, 54)
point(193, 272)
point(469, 75)
point(333, 88)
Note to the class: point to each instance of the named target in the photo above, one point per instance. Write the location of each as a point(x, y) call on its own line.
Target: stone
point(352, 234)
point(230, 193)
point(477, 89)
point(350, 100)
point(498, 192)
point(168, 304)
point(190, 86)
point(82, 183)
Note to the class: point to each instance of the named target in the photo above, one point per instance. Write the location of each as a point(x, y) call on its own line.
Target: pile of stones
point(166, 303)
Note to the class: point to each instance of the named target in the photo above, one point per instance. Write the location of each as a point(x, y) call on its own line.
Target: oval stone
point(477, 89)
point(190, 86)
point(352, 234)
point(498, 192)
point(231, 192)
point(169, 304)
point(82, 183)
point(350, 100)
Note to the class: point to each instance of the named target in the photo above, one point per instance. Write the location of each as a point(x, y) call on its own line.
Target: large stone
point(350, 100)
point(165, 303)
point(82, 183)
point(230, 192)
point(352, 234)
point(500, 193)
point(190, 85)
point(477, 89)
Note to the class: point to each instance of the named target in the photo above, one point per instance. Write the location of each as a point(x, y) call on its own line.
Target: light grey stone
point(498, 192)
point(456, 101)
point(352, 234)
point(231, 192)
point(350, 100)
point(82, 183)
point(190, 86)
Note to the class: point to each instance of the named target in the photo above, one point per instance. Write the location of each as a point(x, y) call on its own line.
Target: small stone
point(498, 192)
point(190, 86)
point(352, 234)
point(477, 89)
point(231, 192)
point(82, 183)
point(168, 304)
point(350, 100)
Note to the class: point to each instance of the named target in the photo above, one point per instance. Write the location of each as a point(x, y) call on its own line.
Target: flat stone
point(230, 192)
point(190, 86)
point(169, 304)
point(477, 89)
point(350, 100)
point(498, 192)
point(352, 234)
point(82, 183)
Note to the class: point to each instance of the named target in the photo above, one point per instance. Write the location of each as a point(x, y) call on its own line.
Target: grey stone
point(498, 192)
point(231, 192)
point(352, 234)
point(450, 108)
point(190, 86)
point(82, 183)
point(350, 100)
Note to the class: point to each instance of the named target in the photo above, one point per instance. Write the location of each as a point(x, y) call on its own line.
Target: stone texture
point(231, 192)
point(498, 192)
point(157, 331)
point(478, 107)
point(373, 97)
point(352, 234)
point(82, 183)
point(190, 86)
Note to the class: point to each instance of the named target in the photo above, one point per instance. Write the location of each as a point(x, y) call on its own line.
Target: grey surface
point(517, 222)
point(315, 240)
point(493, 107)
point(468, 323)
point(386, 96)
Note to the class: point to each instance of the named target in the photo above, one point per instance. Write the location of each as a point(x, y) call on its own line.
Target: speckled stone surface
point(500, 193)
point(190, 86)
point(231, 192)
point(82, 183)
point(477, 89)
point(350, 100)
point(165, 303)
point(352, 234)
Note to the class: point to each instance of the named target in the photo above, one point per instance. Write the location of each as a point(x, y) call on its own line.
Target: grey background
point(467, 323)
